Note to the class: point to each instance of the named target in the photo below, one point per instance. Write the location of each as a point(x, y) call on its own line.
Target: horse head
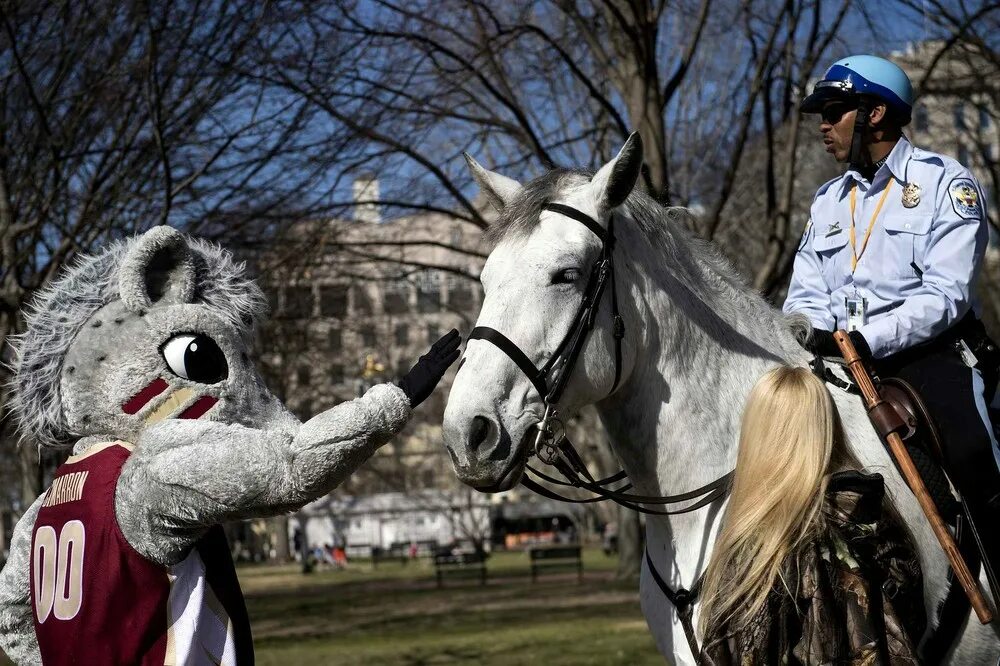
point(544, 265)
point(154, 327)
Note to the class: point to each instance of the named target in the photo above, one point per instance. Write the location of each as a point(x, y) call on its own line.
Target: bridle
point(551, 446)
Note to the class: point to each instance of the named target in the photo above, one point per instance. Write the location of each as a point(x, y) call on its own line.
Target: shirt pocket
point(905, 238)
point(834, 259)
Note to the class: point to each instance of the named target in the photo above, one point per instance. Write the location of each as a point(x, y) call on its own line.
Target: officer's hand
point(420, 381)
point(822, 343)
point(861, 346)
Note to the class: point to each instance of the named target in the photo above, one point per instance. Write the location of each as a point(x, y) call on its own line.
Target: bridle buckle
point(551, 433)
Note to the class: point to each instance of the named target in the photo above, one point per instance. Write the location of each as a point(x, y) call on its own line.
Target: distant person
point(807, 544)
point(892, 253)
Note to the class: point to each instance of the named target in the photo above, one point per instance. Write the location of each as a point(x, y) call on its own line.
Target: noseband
point(551, 445)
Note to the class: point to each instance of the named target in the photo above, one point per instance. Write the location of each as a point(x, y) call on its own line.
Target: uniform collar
point(896, 164)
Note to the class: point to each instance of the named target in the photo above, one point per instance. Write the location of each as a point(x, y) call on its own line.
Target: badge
point(965, 198)
point(833, 230)
point(856, 306)
point(911, 195)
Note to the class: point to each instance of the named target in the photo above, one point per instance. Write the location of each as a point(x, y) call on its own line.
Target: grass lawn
point(395, 615)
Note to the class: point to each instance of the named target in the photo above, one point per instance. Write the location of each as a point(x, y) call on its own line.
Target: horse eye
point(195, 357)
point(566, 276)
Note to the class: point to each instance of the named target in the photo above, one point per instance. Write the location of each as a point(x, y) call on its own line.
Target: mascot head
point(155, 327)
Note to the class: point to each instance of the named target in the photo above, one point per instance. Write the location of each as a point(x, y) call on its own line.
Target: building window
point(298, 302)
point(335, 339)
point(963, 155)
point(333, 300)
point(367, 336)
point(921, 120)
point(304, 412)
point(959, 113)
point(271, 294)
point(429, 293)
point(302, 375)
point(429, 477)
point(460, 297)
point(402, 334)
point(337, 372)
point(362, 301)
point(397, 298)
point(433, 333)
point(984, 117)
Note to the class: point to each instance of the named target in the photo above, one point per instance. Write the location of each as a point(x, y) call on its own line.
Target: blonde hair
point(790, 440)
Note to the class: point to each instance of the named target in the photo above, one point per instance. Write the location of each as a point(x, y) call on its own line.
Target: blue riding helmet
point(863, 75)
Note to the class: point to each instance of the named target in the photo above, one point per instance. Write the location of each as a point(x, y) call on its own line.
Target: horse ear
point(158, 269)
point(614, 182)
point(500, 190)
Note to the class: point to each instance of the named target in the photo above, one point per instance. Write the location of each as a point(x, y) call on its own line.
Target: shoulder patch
point(965, 198)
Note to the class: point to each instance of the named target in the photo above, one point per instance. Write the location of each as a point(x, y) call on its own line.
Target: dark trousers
point(949, 388)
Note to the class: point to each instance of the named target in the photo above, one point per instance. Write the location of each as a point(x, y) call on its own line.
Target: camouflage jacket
point(859, 593)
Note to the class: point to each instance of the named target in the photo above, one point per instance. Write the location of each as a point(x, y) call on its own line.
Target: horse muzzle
point(484, 456)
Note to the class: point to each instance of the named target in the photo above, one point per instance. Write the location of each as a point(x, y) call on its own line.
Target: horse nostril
point(480, 431)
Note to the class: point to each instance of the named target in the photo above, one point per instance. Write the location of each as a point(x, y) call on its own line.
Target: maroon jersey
point(98, 601)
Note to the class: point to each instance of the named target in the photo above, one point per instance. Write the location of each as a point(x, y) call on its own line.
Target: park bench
point(395, 553)
point(460, 565)
point(556, 558)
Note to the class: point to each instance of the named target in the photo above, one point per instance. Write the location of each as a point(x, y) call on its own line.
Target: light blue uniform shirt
point(918, 271)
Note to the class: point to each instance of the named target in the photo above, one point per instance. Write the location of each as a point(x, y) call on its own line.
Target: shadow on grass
point(404, 620)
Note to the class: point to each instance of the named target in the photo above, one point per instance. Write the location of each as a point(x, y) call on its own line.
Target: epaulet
point(825, 186)
point(949, 164)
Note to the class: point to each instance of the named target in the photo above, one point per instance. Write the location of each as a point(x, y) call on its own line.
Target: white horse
point(697, 338)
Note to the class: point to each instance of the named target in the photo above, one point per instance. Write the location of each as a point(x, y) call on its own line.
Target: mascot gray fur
point(147, 344)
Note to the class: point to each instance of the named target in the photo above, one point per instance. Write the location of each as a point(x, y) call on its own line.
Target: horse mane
point(58, 311)
point(693, 262)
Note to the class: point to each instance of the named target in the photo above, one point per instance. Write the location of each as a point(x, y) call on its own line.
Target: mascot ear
point(158, 269)
point(614, 182)
point(500, 190)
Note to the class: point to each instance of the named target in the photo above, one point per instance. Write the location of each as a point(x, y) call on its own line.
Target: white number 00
point(59, 571)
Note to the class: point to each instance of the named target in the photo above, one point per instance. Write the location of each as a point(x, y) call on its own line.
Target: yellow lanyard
point(855, 255)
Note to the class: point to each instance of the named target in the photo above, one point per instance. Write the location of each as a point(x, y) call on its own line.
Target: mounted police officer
point(892, 253)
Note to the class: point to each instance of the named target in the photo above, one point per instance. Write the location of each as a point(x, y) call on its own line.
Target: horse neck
point(698, 352)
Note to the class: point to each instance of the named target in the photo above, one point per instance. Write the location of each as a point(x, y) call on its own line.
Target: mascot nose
point(480, 432)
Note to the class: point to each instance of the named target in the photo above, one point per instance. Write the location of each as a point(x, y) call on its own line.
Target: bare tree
point(115, 117)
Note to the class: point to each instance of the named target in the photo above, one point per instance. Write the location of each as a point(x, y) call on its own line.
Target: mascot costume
point(140, 358)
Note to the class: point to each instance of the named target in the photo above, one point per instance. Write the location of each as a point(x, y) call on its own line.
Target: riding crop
point(888, 424)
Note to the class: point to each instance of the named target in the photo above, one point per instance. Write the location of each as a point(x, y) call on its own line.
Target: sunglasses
point(832, 113)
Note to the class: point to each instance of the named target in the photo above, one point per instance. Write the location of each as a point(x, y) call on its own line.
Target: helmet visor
point(826, 91)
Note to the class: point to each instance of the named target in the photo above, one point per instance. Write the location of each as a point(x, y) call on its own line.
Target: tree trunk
point(629, 545)
point(279, 537)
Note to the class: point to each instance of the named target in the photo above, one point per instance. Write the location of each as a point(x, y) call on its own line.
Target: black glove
point(420, 381)
point(822, 343)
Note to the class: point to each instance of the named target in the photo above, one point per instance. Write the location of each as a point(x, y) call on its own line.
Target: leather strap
point(580, 217)
point(683, 600)
point(514, 353)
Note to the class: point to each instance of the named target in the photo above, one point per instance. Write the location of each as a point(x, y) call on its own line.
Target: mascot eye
point(195, 357)
point(566, 276)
